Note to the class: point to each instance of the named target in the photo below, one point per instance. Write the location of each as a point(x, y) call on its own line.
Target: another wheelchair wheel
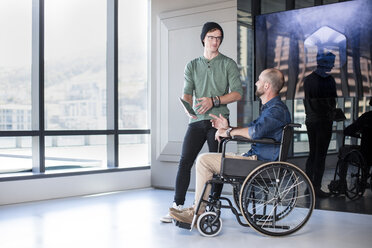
point(209, 224)
point(277, 199)
point(355, 175)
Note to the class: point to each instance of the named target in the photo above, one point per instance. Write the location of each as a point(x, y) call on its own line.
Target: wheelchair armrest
point(224, 142)
point(261, 141)
point(269, 141)
point(297, 125)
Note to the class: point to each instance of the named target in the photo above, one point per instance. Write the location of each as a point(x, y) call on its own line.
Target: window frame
point(38, 132)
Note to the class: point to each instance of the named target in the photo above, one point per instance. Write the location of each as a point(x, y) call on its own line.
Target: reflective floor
point(362, 205)
point(131, 219)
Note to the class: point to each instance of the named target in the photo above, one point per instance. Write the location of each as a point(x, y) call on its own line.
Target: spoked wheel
point(277, 199)
point(354, 164)
point(209, 224)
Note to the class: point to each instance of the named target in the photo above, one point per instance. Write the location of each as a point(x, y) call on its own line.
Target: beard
point(259, 93)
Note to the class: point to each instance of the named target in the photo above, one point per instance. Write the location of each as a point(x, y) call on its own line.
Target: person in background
point(363, 126)
point(320, 102)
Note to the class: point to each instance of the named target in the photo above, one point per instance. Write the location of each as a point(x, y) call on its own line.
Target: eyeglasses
point(211, 38)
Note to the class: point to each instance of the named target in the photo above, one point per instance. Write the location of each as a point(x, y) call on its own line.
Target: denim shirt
point(273, 117)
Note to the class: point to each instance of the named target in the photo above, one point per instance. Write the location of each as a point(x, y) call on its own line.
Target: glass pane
point(301, 143)
point(244, 11)
point(134, 150)
point(133, 92)
point(15, 64)
point(75, 152)
point(245, 64)
point(330, 1)
point(303, 3)
point(75, 64)
point(15, 154)
point(269, 6)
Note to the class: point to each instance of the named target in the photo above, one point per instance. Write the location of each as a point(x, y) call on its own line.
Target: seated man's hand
point(221, 132)
point(219, 122)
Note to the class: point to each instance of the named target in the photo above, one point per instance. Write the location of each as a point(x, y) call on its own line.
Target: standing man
point(319, 102)
point(210, 83)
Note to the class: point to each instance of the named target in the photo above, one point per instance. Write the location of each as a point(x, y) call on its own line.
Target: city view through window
point(75, 72)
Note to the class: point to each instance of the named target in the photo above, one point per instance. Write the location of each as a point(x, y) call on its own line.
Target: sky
point(73, 28)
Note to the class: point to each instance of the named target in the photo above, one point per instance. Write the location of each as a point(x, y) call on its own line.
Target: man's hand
point(191, 116)
point(204, 104)
point(219, 122)
point(221, 132)
point(188, 98)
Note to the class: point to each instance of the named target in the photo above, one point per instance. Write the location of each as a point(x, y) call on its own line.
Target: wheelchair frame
point(269, 192)
point(352, 172)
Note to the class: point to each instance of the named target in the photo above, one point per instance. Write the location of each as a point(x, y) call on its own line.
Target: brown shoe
point(184, 216)
point(177, 210)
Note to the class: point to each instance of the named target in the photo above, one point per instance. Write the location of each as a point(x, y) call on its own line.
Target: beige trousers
point(208, 164)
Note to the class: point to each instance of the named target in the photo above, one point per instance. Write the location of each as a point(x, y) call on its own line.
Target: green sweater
point(209, 78)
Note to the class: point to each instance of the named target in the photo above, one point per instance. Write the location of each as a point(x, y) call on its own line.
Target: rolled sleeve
point(189, 85)
point(235, 83)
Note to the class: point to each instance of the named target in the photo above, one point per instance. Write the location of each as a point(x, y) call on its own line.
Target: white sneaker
point(167, 218)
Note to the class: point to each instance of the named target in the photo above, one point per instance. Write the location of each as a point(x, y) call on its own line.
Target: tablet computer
point(186, 105)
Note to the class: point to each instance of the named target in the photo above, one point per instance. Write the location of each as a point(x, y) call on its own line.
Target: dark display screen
point(292, 40)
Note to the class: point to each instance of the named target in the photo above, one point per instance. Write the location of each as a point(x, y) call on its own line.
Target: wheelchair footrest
point(182, 224)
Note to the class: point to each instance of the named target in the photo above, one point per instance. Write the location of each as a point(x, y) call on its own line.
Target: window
point(75, 152)
point(133, 91)
point(133, 64)
point(66, 124)
point(15, 84)
point(75, 64)
point(15, 64)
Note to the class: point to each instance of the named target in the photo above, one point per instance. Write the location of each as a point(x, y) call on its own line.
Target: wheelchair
point(351, 174)
point(274, 198)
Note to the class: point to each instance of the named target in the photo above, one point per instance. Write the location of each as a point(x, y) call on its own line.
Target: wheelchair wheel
point(209, 224)
point(355, 175)
point(277, 199)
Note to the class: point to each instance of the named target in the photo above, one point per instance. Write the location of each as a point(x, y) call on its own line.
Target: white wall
point(176, 27)
point(58, 187)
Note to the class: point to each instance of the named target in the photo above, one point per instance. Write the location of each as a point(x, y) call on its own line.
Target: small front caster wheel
point(209, 224)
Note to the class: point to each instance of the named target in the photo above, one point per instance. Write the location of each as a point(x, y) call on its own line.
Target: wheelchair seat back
point(285, 142)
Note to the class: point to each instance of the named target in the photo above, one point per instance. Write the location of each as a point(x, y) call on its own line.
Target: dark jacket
point(320, 97)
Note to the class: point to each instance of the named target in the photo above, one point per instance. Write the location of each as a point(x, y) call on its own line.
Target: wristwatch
point(228, 131)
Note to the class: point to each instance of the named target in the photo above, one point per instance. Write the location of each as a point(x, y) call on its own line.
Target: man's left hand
point(221, 133)
point(204, 104)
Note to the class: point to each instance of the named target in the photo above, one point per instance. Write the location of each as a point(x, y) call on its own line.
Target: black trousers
point(195, 137)
point(319, 133)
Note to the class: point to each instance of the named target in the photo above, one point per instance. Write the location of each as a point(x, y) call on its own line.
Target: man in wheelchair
point(274, 115)
point(353, 166)
point(363, 126)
